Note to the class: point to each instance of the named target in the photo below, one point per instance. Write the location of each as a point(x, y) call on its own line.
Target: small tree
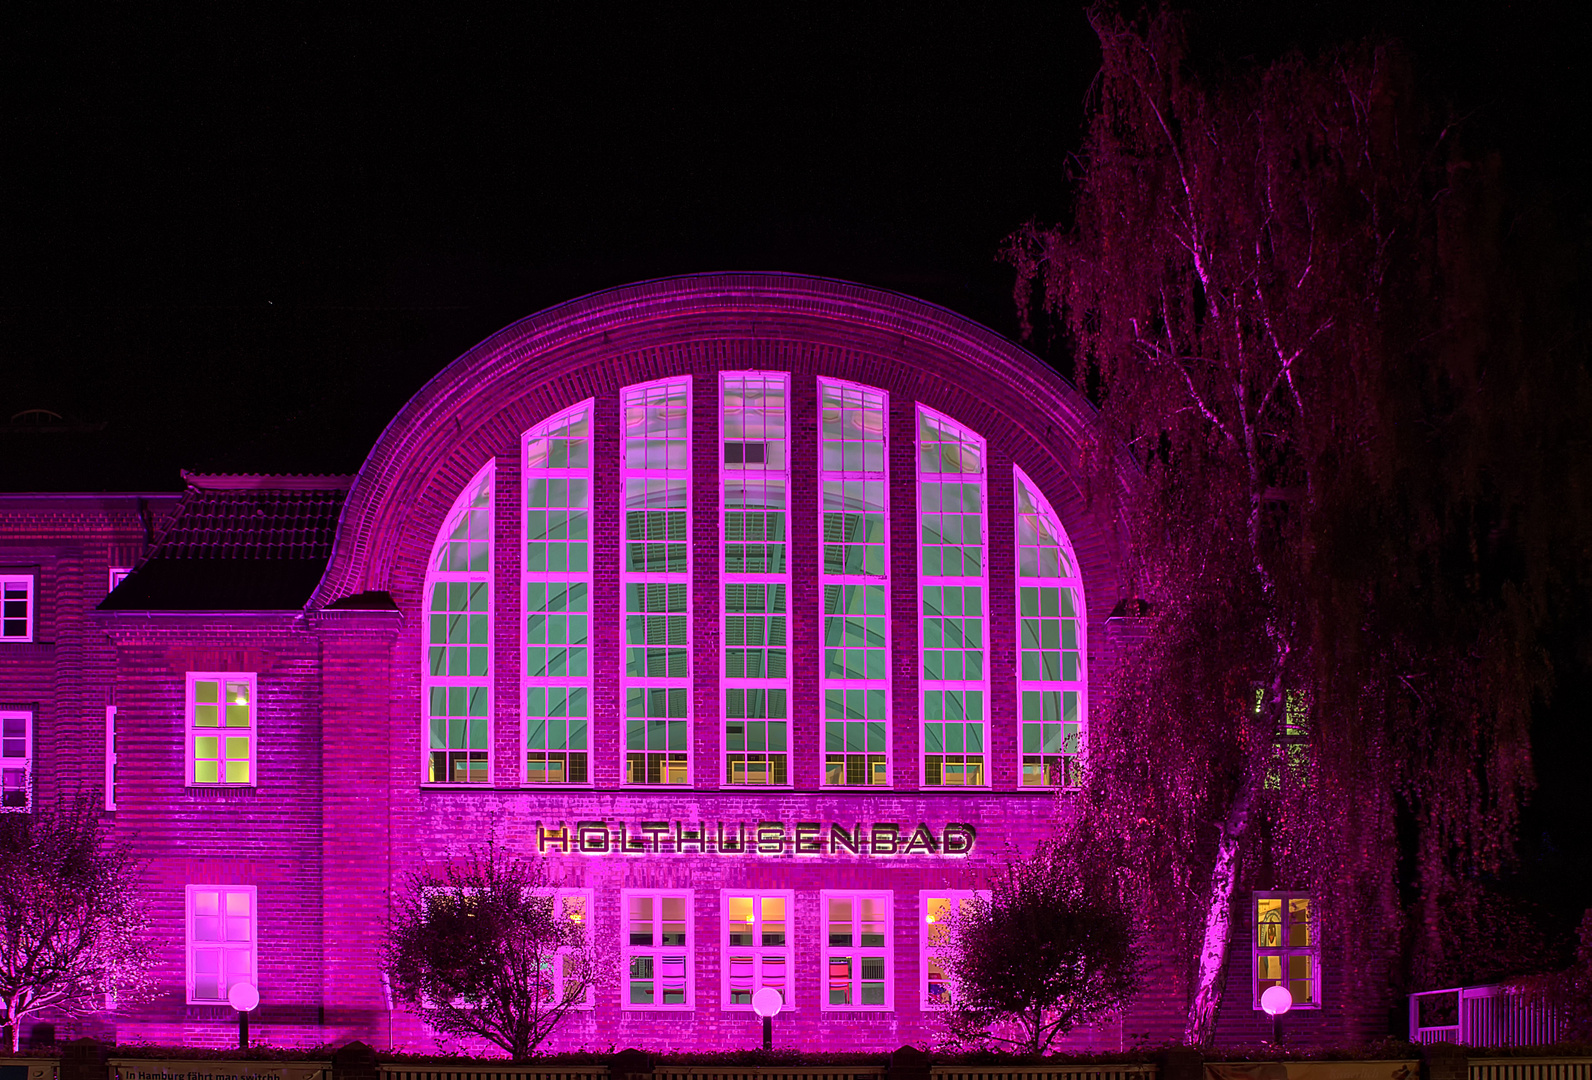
point(490, 950)
point(1051, 947)
point(72, 922)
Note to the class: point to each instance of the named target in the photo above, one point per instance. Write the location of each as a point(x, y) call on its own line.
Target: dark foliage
point(487, 950)
point(1051, 947)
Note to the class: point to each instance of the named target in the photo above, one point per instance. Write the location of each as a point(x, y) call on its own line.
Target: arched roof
point(481, 403)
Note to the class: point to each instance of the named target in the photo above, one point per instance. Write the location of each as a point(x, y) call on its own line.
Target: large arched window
point(954, 588)
point(1051, 688)
point(458, 640)
point(755, 481)
point(655, 573)
point(854, 570)
point(557, 682)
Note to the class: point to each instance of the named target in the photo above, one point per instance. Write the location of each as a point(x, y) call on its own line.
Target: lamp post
point(1276, 1000)
point(243, 997)
point(766, 1003)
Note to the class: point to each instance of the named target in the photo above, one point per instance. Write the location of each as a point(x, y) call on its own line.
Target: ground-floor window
point(858, 950)
point(757, 947)
point(935, 910)
point(657, 949)
point(221, 926)
point(16, 760)
point(1286, 951)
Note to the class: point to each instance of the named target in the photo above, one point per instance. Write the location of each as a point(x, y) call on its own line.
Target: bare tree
point(1051, 947)
point(73, 926)
point(492, 949)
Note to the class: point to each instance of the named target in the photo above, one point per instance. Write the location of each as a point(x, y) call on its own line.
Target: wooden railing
point(1483, 1016)
point(1524, 1068)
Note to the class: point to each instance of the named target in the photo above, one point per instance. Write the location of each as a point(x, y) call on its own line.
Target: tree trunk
point(1218, 925)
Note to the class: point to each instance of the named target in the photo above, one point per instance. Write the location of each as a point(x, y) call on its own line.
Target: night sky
point(239, 240)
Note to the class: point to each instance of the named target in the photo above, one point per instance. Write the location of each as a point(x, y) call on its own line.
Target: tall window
point(935, 910)
point(16, 607)
point(16, 760)
point(755, 471)
point(221, 941)
point(855, 584)
point(655, 572)
point(1050, 636)
point(576, 906)
point(557, 596)
point(459, 640)
point(954, 585)
point(657, 949)
point(222, 729)
point(110, 757)
point(858, 950)
point(757, 945)
point(1286, 952)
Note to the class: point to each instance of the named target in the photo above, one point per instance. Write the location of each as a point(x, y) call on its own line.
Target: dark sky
point(240, 241)
point(234, 239)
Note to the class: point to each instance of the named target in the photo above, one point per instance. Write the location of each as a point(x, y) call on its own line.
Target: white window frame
point(110, 757)
point(11, 764)
point(116, 576)
point(964, 686)
point(193, 945)
point(855, 951)
point(483, 683)
point(629, 952)
point(758, 951)
point(628, 578)
point(548, 683)
point(588, 897)
point(1067, 579)
point(837, 685)
point(926, 945)
point(192, 731)
point(8, 585)
point(1284, 951)
point(775, 475)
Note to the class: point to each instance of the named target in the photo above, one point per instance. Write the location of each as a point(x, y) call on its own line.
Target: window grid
point(853, 522)
point(655, 578)
point(951, 501)
point(117, 575)
point(16, 607)
point(757, 945)
point(935, 908)
point(556, 678)
point(1052, 690)
point(110, 757)
point(223, 729)
point(754, 481)
point(656, 950)
point(455, 672)
point(221, 932)
point(859, 957)
point(16, 761)
point(577, 906)
point(1286, 951)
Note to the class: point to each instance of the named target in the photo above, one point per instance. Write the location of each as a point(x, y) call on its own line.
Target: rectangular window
point(221, 931)
point(575, 905)
point(110, 757)
point(222, 729)
point(935, 908)
point(16, 607)
point(456, 675)
point(656, 949)
point(557, 572)
point(118, 574)
point(854, 584)
point(754, 478)
point(758, 945)
point(1286, 952)
point(954, 586)
point(655, 580)
point(858, 942)
point(16, 761)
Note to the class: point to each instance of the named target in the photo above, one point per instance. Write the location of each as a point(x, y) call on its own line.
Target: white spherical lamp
point(1276, 1000)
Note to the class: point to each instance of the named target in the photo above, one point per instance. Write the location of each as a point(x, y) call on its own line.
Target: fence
point(1531, 1069)
point(1044, 1072)
point(1480, 1016)
point(487, 1070)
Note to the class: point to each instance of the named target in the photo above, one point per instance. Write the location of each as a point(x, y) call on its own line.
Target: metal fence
point(1483, 1016)
point(1531, 1069)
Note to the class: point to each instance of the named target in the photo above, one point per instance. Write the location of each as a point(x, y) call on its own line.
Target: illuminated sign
point(767, 838)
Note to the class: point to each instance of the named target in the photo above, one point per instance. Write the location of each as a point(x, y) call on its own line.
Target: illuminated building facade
point(766, 608)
